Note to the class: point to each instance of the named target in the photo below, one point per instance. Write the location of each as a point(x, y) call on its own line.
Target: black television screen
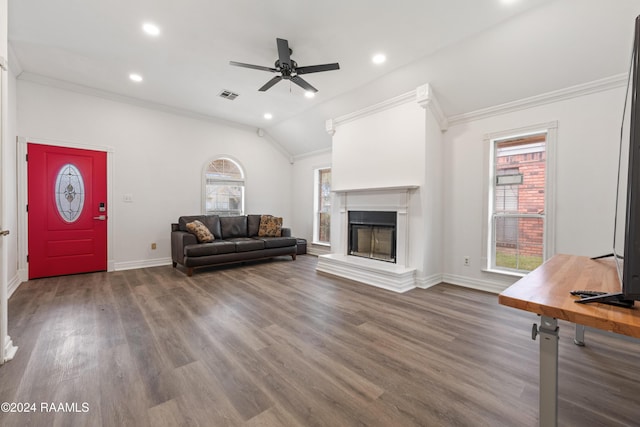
point(626, 240)
point(630, 262)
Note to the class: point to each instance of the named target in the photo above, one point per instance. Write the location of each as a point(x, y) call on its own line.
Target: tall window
point(223, 188)
point(517, 205)
point(322, 207)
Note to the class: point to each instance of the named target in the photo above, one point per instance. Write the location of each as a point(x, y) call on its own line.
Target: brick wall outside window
point(530, 201)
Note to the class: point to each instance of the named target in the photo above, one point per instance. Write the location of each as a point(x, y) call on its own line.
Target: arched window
point(223, 187)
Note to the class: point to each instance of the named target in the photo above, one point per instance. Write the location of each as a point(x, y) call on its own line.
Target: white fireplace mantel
point(376, 189)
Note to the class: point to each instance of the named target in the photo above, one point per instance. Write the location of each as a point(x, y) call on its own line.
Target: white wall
point(586, 168)
point(384, 149)
point(302, 180)
point(432, 203)
point(158, 158)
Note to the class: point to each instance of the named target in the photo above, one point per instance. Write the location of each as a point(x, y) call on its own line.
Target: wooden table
point(545, 291)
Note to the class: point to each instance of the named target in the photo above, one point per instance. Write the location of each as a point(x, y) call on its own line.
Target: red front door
point(67, 196)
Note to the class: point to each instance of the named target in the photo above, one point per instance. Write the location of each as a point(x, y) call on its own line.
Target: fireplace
point(372, 234)
point(383, 256)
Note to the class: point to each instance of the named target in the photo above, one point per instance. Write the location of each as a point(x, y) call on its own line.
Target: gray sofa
point(236, 240)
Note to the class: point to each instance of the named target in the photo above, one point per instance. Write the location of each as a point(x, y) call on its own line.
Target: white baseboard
point(318, 250)
point(428, 281)
point(9, 350)
point(145, 263)
point(13, 284)
point(469, 282)
point(23, 275)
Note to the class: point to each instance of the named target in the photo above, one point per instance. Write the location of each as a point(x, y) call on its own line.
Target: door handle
point(4, 233)
point(100, 218)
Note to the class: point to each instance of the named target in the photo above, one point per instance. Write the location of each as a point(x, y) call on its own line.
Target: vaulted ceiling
point(474, 53)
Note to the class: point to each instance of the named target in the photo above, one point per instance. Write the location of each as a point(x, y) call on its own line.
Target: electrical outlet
point(153, 246)
point(467, 261)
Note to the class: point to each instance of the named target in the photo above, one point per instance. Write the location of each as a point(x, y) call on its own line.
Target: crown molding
point(312, 153)
point(423, 95)
point(426, 98)
point(332, 124)
point(570, 92)
point(86, 90)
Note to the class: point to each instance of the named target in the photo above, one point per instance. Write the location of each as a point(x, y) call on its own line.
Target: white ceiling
point(474, 53)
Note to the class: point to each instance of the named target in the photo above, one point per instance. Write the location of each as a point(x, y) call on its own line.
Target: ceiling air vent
point(227, 94)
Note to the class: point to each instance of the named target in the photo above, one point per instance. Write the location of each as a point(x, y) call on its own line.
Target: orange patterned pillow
point(270, 226)
point(201, 231)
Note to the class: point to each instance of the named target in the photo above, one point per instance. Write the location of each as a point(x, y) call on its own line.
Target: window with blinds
point(322, 206)
point(518, 203)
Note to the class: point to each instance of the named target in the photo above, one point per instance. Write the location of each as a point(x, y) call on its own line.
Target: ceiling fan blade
point(317, 68)
point(270, 83)
point(254, 67)
point(303, 84)
point(284, 56)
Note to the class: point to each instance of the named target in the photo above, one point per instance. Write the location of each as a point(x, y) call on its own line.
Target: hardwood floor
point(276, 344)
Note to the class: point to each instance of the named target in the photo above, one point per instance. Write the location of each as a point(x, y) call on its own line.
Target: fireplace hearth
point(372, 234)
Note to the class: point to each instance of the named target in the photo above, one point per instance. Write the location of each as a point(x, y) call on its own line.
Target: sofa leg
point(174, 264)
point(293, 257)
point(190, 271)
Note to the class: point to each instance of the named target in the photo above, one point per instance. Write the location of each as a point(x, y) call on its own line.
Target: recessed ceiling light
point(378, 58)
point(135, 77)
point(508, 1)
point(268, 116)
point(151, 29)
point(309, 94)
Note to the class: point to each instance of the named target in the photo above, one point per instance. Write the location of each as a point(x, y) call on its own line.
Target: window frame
point(316, 206)
point(229, 181)
point(488, 230)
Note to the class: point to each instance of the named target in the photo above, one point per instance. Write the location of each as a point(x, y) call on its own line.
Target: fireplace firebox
point(372, 234)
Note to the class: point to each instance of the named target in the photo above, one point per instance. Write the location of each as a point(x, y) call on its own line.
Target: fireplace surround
point(391, 266)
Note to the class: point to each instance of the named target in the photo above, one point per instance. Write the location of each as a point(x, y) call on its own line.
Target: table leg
point(548, 332)
point(579, 339)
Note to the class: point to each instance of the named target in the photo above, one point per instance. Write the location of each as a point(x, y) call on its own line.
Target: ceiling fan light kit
point(288, 69)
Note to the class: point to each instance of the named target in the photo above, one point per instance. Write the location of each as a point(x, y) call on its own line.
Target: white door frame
point(23, 228)
point(7, 349)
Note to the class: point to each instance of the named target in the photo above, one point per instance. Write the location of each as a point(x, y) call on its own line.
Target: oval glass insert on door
point(69, 193)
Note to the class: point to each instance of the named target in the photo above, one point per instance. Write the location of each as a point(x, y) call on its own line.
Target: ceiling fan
point(288, 68)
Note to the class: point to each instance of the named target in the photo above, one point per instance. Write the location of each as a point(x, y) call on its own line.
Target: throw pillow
point(270, 226)
point(201, 231)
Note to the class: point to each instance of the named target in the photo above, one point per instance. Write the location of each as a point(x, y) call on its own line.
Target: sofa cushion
point(213, 248)
point(201, 232)
point(245, 244)
point(253, 225)
point(278, 242)
point(211, 221)
point(233, 226)
point(270, 226)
